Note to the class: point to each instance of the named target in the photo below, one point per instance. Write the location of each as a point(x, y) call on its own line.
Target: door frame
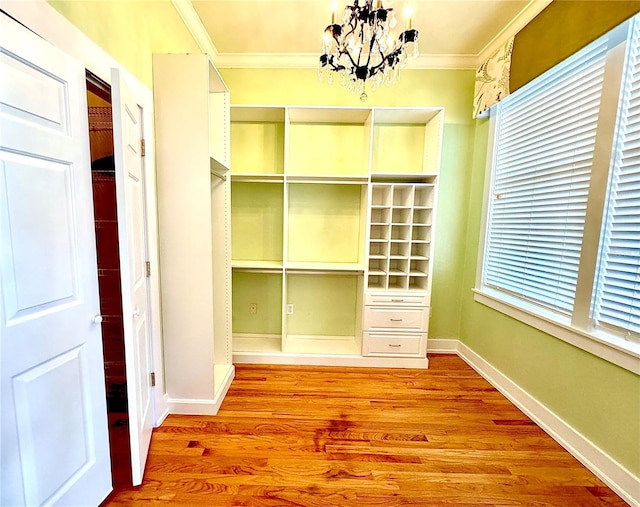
point(40, 17)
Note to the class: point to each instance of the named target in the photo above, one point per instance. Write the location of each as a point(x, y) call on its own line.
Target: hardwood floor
point(309, 436)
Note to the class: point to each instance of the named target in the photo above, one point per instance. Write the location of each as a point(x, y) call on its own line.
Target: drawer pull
point(395, 320)
point(395, 345)
point(397, 300)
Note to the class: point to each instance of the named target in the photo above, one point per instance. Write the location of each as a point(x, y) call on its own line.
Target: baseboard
point(201, 406)
point(346, 361)
point(612, 473)
point(442, 346)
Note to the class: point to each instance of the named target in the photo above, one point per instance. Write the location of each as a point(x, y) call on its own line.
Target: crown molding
point(194, 24)
point(310, 61)
point(530, 11)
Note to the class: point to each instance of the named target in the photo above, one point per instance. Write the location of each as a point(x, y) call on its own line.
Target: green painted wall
point(130, 31)
point(323, 304)
point(452, 89)
point(265, 291)
point(599, 399)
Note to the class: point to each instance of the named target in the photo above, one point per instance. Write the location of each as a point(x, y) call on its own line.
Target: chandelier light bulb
point(408, 13)
point(363, 48)
point(334, 8)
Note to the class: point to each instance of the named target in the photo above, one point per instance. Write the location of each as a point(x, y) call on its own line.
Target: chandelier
point(364, 49)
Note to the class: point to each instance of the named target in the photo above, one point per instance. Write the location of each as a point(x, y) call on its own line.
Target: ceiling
point(287, 33)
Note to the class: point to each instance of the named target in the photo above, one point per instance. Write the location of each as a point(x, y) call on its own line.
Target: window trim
point(577, 329)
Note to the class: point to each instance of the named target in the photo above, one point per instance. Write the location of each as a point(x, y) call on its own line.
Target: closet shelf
point(257, 178)
point(250, 265)
point(333, 179)
point(320, 267)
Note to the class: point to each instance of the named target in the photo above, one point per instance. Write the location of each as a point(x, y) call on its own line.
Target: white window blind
point(544, 151)
point(617, 301)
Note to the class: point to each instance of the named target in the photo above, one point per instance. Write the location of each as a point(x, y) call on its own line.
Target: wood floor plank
point(321, 436)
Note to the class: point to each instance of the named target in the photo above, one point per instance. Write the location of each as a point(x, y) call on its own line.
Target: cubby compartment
point(378, 266)
point(398, 266)
point(380, 195)
point(329, 142)
point(424, 196)
point(422, 216)
point(401, 216)
point(399, 250)
point(324, 313)
point(418, 283)
point(326, 224)
point(418, 267)
point(400, 232)
point(380, 216)
point(256, 223)
point(378, 250)
point(380, 232)
point(420, 251)
point(402, 196)
point(258, 140)
point(257, 311)
point(376, 282)
point(421, 233)
point(398, 282)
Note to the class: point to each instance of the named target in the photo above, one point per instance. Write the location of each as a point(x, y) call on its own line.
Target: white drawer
point(393, 299)
point(393, 344)
point(407, 319)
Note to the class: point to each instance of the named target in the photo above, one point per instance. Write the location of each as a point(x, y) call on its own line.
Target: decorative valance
point(492, 79)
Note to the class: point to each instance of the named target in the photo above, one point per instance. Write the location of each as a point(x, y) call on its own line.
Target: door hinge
point(153, 379)
point(143, 150)
point(148, 267)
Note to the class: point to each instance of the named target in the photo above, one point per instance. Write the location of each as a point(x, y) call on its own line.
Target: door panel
point(40, 271)
point(54, 456)
point(127, 133)
point(54, 445)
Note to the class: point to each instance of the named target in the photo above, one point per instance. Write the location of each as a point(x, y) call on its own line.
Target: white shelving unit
point(192, 125)
point(401, 222)
point(329, 206)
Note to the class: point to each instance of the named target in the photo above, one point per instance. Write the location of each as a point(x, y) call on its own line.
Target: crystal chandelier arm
point(371, 43)
point(391, 59)
point(362, 41)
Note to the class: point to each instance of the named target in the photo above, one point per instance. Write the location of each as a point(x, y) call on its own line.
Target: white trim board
point(607, 469)
point(329, 360)
point(199, 406)
point(310, 61)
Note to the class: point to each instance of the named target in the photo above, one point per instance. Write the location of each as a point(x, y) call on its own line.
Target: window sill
point(614, 349)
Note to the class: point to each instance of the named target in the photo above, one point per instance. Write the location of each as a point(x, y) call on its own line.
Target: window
point(561, 248)
point(617, 294)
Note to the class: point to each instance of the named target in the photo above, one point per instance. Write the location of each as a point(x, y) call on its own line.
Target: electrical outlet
point(253, 308)
point(290, 309)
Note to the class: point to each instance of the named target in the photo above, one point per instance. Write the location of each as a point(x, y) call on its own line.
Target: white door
point(127, 135)
point(55, 443)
